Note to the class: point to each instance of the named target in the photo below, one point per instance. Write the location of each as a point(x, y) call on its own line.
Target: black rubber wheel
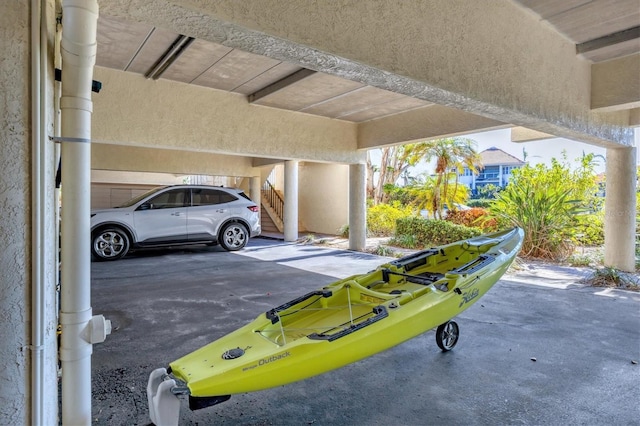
point(110, 244)
point(447, 335)
point(233, 236)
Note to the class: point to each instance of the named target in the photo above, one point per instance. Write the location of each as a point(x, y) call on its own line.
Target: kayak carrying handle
point(412, 261)
point(272, 314)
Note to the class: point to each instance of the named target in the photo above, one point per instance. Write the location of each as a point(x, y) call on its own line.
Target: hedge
point(431, 232)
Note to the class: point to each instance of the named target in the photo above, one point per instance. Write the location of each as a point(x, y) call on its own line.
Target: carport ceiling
point(143, 49)
point(601, 29)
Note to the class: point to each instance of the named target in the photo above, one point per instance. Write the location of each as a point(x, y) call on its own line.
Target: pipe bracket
point(58, 139)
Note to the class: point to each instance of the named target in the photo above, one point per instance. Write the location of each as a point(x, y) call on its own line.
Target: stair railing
point(274, 199)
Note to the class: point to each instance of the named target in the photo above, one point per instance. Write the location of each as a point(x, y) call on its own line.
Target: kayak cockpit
point(327, 314)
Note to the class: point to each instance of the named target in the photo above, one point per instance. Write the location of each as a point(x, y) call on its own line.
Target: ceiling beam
point(522, 134)
point(608, 40)
point(281, 84)
point(429, 122)
point(615, 84)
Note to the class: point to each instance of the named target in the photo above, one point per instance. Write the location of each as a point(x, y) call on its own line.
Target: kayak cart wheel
point(447, 335)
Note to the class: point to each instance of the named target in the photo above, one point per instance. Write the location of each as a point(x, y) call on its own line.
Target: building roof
point(495, 156)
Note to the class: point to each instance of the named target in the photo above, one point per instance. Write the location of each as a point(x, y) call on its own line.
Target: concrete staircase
point(268, 226)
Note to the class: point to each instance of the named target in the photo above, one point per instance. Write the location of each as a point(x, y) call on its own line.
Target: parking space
point(537, 349)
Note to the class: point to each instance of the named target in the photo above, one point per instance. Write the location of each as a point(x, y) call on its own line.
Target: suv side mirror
point(145, 206)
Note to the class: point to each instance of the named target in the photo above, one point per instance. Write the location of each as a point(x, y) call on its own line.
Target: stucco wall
point(132, 110)
point(323, 197)
point(15, 210)
point(131, 158)
point(18, 236)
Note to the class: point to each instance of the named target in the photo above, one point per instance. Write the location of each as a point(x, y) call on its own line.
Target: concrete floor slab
point(537, 349)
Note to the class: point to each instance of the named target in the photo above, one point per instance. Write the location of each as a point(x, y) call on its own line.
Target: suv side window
point(168, 200)
point(207, 197)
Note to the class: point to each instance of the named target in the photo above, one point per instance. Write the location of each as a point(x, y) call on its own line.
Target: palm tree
point(394, 161)
point(422, 193)
point(452, 155)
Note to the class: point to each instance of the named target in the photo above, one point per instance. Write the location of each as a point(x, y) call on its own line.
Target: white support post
point(357, 207)
point(291, 200)
point(620, 209)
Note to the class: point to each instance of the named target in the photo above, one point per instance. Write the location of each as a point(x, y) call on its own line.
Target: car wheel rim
point(109, 244)
point(235, 236)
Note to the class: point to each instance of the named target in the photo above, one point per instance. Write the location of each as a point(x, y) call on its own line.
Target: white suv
point(175, 215)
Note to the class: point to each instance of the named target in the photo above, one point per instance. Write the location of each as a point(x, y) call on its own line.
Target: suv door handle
point(175, 214)
point(221, 210)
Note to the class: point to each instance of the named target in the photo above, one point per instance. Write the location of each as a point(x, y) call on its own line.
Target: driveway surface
point(537, 349)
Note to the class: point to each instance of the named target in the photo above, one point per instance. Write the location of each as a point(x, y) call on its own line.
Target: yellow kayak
point(346, 321)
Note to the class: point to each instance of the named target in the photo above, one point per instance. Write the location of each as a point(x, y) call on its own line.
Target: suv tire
point(233, 236)
point(110, 243)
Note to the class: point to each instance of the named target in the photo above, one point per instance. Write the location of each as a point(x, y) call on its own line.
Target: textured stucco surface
point(179, 116)
point(15, 210)
point(620, 209)
point(453, 53)
point(607, 92)
point(429, 122)
point(323, 197)
point(131, 158)
point(17, 229)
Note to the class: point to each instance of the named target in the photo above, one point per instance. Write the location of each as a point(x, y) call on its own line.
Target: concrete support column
point(254, 193)
point(254, 189)
point(357, 207)
point(290, 200)
point(620, 209)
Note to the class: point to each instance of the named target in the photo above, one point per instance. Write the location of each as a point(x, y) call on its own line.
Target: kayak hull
point(350, 319)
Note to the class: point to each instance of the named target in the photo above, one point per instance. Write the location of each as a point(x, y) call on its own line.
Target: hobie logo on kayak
point(274, 358)
point(468, 296)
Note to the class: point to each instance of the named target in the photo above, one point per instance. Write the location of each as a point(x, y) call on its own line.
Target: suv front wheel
point(110, 244)
point(233, 236)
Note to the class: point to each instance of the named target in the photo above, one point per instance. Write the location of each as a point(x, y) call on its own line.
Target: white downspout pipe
point(79, 329)
point(38, 64)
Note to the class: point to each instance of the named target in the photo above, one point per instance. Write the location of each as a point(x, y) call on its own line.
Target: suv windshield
point(133, 201)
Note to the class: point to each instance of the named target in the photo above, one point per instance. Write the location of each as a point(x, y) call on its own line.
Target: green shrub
point(406, 241)
point(545, 201)
point(473, 217)
point(429, 233)
point(589, 229)
point(480, 202)
point(579, 260)
point(383, 251)
point(381, 219)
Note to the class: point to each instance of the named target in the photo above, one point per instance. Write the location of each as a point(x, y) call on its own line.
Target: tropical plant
point(381, 219)
point(545, 201)
point(451, 154)
point(475, 216)
point(422, 194)
point(394, 162)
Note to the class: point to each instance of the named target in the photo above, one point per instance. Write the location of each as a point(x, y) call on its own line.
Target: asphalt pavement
point(538, 349)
